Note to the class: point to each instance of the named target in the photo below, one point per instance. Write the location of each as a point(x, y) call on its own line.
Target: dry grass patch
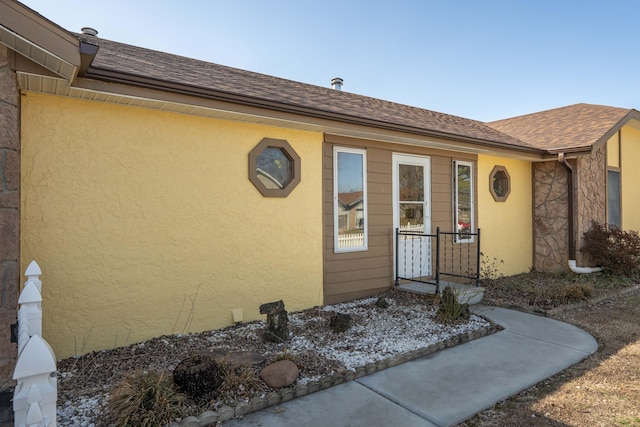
point(603, 390)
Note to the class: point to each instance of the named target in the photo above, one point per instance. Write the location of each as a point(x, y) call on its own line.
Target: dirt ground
point(603, 390)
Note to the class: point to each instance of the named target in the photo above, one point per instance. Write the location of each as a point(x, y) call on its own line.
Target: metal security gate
point(448, 253)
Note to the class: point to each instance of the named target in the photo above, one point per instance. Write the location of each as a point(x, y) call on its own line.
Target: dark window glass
point(613, 187)
point(274, 168)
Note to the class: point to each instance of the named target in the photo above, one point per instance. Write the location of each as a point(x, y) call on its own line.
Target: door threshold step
point(467, 294)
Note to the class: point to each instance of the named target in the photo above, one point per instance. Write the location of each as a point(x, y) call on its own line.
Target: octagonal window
point(500, 183)
point(274, 167)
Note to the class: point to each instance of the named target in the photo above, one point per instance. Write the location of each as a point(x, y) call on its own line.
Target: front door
point(412, 212)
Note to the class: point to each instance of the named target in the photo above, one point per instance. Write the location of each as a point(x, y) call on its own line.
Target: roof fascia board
point(631, 115)
point(191, 91)
point(33, 36)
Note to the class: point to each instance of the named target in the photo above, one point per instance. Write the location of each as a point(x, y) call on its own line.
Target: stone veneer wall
point(550, 217)
point(9, 214)
point(591, 197)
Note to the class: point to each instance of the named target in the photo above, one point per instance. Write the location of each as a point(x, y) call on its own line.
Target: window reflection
point(464, 201)
point(274, 168)
point(411, 193)
point(350, 203)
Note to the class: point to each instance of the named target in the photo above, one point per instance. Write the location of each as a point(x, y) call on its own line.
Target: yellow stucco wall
point(613, 152)
point(630, 177)
point(506, 227)
point(145, 223)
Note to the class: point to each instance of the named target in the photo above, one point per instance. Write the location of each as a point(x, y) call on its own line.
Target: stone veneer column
point(591, 197)
point(9, 214)
point(550, 217)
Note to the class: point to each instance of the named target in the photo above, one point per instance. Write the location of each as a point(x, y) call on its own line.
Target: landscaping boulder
point(280, 374)
point(239, 357)
point(340, 322)
point(198, 376)
point(277, 329)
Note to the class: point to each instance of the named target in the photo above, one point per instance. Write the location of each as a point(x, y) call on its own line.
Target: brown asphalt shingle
point(173, 69)
point(574, 127)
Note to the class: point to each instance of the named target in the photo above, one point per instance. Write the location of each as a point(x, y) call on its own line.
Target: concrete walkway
point(444, 388)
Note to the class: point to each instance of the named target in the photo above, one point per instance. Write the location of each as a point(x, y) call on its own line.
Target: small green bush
point(145, 399)
point(450, 308)
point(616, 250)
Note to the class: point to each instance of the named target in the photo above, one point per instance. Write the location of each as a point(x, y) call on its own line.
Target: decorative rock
point(242, 358)
point(225, 413)
point(208, 418)
point(246, 358)
point(313, 386)
point(280, 374)
point(340, 322)
point(382, 303)
point(258, 403)
point(272, 398)
point(242, 408)
point(287, 394)
point(301, 390)
point(190, 422)
point(277, 329)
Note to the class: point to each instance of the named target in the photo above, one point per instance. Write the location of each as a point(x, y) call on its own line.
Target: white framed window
point(349, 199)
point(463, 203)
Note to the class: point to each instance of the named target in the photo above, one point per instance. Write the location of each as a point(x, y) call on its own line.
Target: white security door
point(412, 212)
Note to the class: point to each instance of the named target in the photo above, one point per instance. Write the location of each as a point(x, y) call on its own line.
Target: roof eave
point(112, 76)
point(26, 32)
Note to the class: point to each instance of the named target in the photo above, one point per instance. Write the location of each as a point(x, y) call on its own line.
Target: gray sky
point(481, 59)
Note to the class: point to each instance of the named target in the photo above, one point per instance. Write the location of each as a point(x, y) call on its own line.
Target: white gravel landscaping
point(409, 323)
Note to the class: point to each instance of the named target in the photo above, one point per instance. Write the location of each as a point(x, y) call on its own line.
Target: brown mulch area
point(602, 390)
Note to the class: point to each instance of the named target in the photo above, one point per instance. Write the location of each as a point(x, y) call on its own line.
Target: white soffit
point(37, 54)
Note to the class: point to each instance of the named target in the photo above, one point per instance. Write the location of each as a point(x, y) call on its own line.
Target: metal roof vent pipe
point(336, 83)
point(89, 31)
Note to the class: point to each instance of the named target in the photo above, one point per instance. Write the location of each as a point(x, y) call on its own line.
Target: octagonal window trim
point(500, 183)
point(258, 176)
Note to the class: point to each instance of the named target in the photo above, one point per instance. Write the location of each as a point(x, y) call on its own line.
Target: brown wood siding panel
point(361, 285)
point(350, 296)
point(351, 275)
point(343, 265)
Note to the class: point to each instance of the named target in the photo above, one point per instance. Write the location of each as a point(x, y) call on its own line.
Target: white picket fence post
point(36, 392)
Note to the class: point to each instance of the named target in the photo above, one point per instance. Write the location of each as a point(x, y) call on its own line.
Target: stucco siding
point(145, 223)
point(630, 177)
point(506, 227)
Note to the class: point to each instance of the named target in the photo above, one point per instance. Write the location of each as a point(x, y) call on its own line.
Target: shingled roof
point(118, 62)
point(573, 128)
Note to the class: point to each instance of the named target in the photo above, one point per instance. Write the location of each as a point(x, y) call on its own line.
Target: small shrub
point(450, 308)
point(145, 399)
point(240, 382)
point(490, 269)
point(579, 292)
point(285, 355)
point(616, 250)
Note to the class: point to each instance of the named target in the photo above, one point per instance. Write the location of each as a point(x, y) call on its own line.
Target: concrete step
point(467, 294)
